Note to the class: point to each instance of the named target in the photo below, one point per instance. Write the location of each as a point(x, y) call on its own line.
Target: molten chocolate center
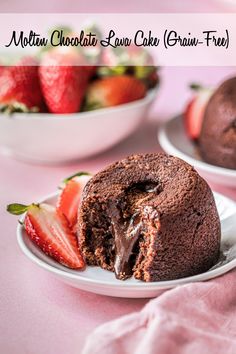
point(127, 231)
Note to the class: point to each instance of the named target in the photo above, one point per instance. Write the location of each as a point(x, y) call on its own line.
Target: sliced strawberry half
point(194, 113)
point(49, 230)
point(70, 197)
point(114, 90)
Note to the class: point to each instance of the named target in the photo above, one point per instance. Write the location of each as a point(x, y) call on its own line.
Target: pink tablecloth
point(193, 318)
point(38, 314)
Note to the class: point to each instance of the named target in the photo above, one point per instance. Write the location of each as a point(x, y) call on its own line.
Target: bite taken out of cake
point(149, 216)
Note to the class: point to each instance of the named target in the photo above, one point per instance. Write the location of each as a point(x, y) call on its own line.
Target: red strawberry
point(87, 56)
point(63, 81)
point(70, 197)
point(49, 230)
point(113, 91)
point(20, 86)
point(194, 113)
point(2, 67)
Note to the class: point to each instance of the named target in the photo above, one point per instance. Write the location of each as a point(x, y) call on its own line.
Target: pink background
point(117, 6)
point(38, 314)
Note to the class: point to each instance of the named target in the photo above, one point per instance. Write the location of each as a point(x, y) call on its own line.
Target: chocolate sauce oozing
point(127, 232)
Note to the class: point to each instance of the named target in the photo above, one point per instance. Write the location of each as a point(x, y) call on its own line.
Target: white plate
point(59, 138)
point(99, 281)
point(174, 141)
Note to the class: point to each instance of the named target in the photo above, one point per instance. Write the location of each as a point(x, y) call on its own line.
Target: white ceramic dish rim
point(106, 283)
point(167, 145)
point(82, 115)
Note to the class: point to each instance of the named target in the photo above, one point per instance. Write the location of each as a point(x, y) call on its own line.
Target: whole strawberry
point(20, 87)
point(63, 81)
point(113, 91)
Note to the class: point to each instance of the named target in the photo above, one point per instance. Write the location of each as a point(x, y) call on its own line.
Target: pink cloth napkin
point(191, 319)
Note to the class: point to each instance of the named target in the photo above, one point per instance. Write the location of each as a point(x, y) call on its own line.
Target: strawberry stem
point(17, 107)
point(142, 72)
point(195, 86)
point(18, 209)
point(91, 106)
point(78, 174)
point(111, 70)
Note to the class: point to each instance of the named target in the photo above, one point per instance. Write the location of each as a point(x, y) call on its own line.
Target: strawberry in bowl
point(62, 108)
point(20, 89)
point(113, 91)
point(63, 81)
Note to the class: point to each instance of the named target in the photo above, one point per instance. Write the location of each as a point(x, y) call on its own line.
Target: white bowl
point(174, 141)
point(100, 281)
point(58, 138)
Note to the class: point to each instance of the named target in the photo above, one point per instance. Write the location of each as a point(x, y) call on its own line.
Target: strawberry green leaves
point(78, 174)
point(18, 209)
